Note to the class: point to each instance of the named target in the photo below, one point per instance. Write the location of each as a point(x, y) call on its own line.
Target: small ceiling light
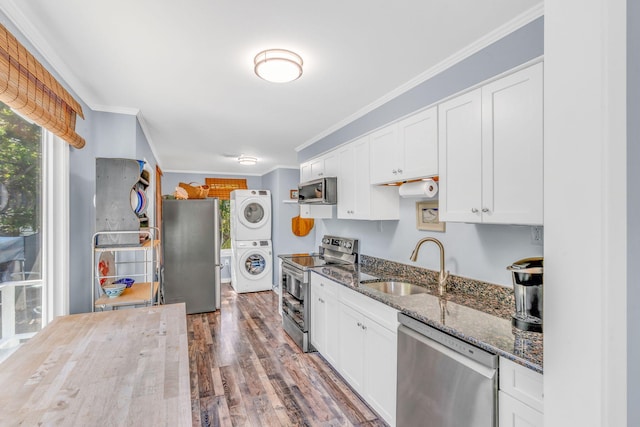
point(278, 65)
point(247, 160)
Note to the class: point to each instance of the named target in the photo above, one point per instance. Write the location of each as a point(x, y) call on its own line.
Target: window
point(225, 213)
point(21, 230)
point(34, 242)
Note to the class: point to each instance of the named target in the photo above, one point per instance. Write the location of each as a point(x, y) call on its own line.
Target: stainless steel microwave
point(322, 191)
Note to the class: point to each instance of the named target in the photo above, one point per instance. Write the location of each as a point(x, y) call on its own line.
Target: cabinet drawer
point(375, 310)
point(329, 287)
point(513, 413)
point(522, 383)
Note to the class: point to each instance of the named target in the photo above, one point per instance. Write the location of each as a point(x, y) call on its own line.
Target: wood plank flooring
point(246, 371)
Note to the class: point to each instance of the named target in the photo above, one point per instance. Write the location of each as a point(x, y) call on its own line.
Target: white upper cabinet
point(325, 165)
point(460, 151)
point(407, 149)
point(357, 198)
point(490, 152)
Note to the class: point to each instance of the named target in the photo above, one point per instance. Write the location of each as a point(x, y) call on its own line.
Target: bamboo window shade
point(222, 187)
point(32, 91)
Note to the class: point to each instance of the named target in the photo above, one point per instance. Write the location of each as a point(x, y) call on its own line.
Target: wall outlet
point(537, 235)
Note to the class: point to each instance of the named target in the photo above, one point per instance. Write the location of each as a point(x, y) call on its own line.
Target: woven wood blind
point(33, 92)
point(222, 187)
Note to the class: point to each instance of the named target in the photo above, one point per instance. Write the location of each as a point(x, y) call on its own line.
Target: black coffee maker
point(527, 289)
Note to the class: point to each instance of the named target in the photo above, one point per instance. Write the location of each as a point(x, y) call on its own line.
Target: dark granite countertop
point(478, 313)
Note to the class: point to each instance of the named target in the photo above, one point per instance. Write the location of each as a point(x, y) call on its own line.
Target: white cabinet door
point(357, 198)
point(380, 370)
point(317, 168)
point(513, 413)
point(346, 182)
point(362, 187)
point(351, 347)
point(305, 172)
point(384, 155)
point(406, 150)
point(331, 165)
point(318, 309)
point(460, 158)
point(332, 327)
point(490, 152)
point(325, 165)
point(512, 180)
point(418, 145)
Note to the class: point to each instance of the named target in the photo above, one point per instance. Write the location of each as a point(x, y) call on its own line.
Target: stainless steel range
point(295, 283)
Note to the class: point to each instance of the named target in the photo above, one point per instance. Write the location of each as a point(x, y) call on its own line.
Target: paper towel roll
point(427, 189)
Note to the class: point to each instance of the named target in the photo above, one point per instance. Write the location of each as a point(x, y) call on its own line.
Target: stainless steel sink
point(393, 287)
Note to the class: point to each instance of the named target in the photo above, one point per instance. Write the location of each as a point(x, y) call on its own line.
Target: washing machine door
point(254, 265)
point(254, 213)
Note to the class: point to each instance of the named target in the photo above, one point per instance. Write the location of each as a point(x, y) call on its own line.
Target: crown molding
point(495, 35)
point(130, 111)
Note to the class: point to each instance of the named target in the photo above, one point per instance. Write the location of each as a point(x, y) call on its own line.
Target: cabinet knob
point(364, 328)
point(322, 284)
point(485, 210)
point(399, 170)
point(321, 300)
point(395, 172)
point(359, 324)
point(474, 210)
point(320, 174)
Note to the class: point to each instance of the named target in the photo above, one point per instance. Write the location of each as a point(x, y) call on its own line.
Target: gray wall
point(477, 251)
point(633, 207)
point(107, 135)
point(279, 182)
point(516, 48)
point(111, 135)
point(472, 250)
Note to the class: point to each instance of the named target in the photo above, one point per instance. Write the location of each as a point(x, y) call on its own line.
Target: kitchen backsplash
point(473, 293)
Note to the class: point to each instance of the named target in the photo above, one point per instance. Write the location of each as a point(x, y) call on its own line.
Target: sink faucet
point(442, 279)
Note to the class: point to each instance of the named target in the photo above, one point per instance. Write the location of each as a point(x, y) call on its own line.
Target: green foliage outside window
point(225, 212)
point(20, 174)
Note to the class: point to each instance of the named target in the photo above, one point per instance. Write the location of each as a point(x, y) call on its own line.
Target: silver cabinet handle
point(399, 170)
point(474, 210)
point(321, 300)
point(485, 210)
point(395, 172)
point(359, 324)
point(364, 328)
point(320, 174)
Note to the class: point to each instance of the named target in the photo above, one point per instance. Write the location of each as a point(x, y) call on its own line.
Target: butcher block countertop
point(125, 368)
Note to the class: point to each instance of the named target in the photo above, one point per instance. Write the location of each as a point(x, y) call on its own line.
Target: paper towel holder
point(428, 216)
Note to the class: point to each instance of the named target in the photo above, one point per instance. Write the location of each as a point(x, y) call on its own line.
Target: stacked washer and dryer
point(252, 255)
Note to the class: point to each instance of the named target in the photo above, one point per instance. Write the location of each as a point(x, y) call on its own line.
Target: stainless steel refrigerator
point(191, 253)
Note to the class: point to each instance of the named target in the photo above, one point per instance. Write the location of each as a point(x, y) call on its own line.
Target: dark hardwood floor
point(245, 371)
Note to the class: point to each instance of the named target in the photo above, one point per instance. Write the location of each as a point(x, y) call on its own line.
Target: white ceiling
point(187, 67)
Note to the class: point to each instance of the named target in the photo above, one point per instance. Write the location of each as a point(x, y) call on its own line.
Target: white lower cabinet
point(358, 337)
point(324, 318)
point(514, 413)
point(520, 399)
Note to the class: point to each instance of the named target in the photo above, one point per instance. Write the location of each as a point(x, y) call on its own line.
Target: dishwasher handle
point(479, 368)
point(452, 344)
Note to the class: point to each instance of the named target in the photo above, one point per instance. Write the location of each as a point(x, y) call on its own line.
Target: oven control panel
point(340, 244)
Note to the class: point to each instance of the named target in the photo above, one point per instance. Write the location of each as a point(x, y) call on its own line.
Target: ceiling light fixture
point(247, 160)
point(278, 65)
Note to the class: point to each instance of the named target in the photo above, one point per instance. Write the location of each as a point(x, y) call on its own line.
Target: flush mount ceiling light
point(247, 160)
point(278, 65)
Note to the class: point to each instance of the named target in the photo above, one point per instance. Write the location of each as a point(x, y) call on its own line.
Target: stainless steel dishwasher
point(443, 381)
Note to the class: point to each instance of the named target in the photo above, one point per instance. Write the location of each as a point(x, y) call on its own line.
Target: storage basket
point(195, 191)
